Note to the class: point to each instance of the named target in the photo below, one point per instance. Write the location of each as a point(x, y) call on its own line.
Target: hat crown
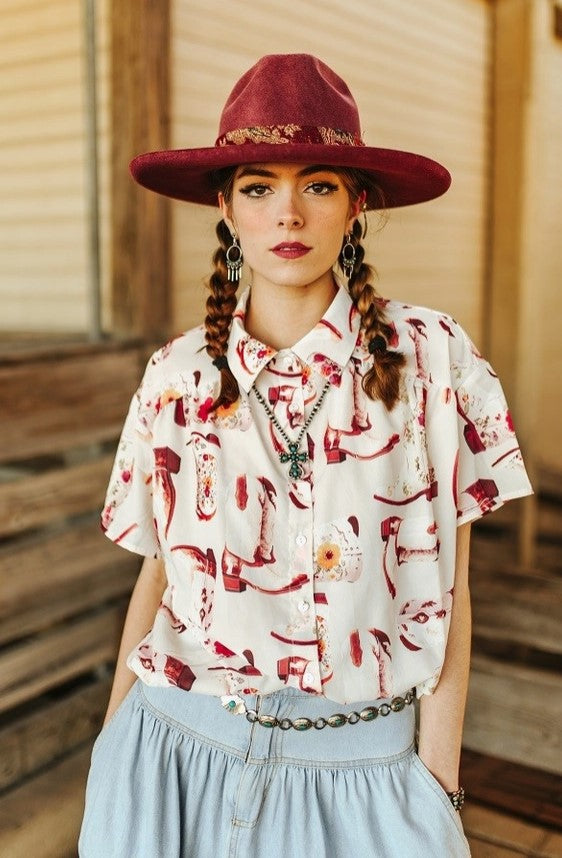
point(290, 89)
point(291, 108)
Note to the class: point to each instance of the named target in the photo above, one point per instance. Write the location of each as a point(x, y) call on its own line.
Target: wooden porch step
point(521, 791)
point(493, 834)
point(514, 712)
point(39, 499)
point(69, 399)
point(41, 818)
point(518, 609)
point(34, 666)
point(54, 726)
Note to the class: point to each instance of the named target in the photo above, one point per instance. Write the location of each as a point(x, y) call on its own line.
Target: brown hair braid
point(220, 305)
point(382, 380)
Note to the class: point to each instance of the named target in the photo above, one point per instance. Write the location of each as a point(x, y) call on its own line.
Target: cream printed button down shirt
point(339, 581)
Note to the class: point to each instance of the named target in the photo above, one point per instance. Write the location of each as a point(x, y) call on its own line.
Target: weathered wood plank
point(104, 585)
point(31, 668)
point(495, 552)
point(49, 405)
point(140, 234)
point(33, 501)
point(550, 481)
point(503, 831)
point(519, 609)
point(46, 564)
point(484, 849)
point(522, 791)
point(55, 729)
point(552, 845)
point(41, 819)
point(514, 713)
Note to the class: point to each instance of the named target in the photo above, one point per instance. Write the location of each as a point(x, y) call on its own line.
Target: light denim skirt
point(175, 775)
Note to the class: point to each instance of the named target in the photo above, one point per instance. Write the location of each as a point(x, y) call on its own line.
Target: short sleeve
point(127, 518)
point(490, 468)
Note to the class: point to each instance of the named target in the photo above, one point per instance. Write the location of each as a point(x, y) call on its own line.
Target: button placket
point(301, 560)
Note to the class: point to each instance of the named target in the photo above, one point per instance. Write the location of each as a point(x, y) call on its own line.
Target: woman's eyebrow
point(256, 171)
point(314, 168)
point(269, 174)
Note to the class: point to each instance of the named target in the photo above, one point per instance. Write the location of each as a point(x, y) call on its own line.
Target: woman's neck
point(280, 316)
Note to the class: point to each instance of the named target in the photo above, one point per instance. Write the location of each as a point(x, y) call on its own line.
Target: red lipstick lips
point(290, 249)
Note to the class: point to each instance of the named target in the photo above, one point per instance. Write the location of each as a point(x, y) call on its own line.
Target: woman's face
point(290, 220)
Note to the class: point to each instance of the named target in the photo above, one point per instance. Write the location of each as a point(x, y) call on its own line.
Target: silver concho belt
point(235, 705)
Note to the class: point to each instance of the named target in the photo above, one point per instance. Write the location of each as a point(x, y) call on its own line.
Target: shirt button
point(303, 606)
point(308, 677)
point(301, 539)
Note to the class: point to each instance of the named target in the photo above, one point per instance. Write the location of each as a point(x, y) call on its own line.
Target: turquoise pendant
point(294, 457)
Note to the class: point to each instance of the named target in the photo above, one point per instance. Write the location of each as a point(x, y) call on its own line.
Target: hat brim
point(186, 174)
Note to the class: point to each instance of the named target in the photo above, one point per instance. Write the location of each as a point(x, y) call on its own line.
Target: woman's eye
point(255, 190)
point(322, 188)
point(420, 618)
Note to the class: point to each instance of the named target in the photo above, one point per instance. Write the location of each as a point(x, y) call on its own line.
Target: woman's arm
point(143, 605)
point(442, 713)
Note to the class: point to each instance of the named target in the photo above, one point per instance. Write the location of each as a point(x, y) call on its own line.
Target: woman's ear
point(355, 209)
point(225, 211)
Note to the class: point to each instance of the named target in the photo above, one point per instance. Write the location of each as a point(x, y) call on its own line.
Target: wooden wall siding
point(539, 385)
point(525, 297)
point(43, 252)
point(140, 224)
point(104, 142)
point(421, 75)
point(63, 587)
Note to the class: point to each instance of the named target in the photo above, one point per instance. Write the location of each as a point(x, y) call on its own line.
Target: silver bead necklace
point(292, 454)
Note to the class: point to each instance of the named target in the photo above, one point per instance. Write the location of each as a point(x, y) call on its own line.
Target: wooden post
point(509, 320)
point(140, 242)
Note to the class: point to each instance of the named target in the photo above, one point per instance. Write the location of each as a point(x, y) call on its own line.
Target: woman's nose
point(289, 215)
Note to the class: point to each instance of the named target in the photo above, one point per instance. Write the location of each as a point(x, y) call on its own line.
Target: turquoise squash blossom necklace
point(292, 454)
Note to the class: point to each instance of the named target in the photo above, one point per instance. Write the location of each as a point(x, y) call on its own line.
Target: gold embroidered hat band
point(278, 134)
point(291, 108)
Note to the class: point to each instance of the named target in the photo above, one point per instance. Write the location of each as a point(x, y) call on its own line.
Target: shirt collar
point(326, 348)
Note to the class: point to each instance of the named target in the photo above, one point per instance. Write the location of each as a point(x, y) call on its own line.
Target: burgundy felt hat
point(292, 108)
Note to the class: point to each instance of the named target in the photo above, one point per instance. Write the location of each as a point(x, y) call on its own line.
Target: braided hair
point(221, 303)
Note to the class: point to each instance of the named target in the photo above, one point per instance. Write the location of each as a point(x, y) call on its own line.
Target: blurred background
point(95, 272)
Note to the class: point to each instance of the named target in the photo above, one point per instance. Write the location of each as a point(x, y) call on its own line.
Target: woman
point(300, 473)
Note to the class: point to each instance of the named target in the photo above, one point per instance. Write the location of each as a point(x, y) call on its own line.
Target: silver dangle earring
point(234, 261)
point(348, 256)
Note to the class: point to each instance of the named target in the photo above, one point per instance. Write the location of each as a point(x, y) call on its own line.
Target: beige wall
point(420, 74)
point(44, 257)
point(524, 293)
point(539, 387)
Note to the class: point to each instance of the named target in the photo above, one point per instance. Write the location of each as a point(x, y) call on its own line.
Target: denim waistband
point(202, 716)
